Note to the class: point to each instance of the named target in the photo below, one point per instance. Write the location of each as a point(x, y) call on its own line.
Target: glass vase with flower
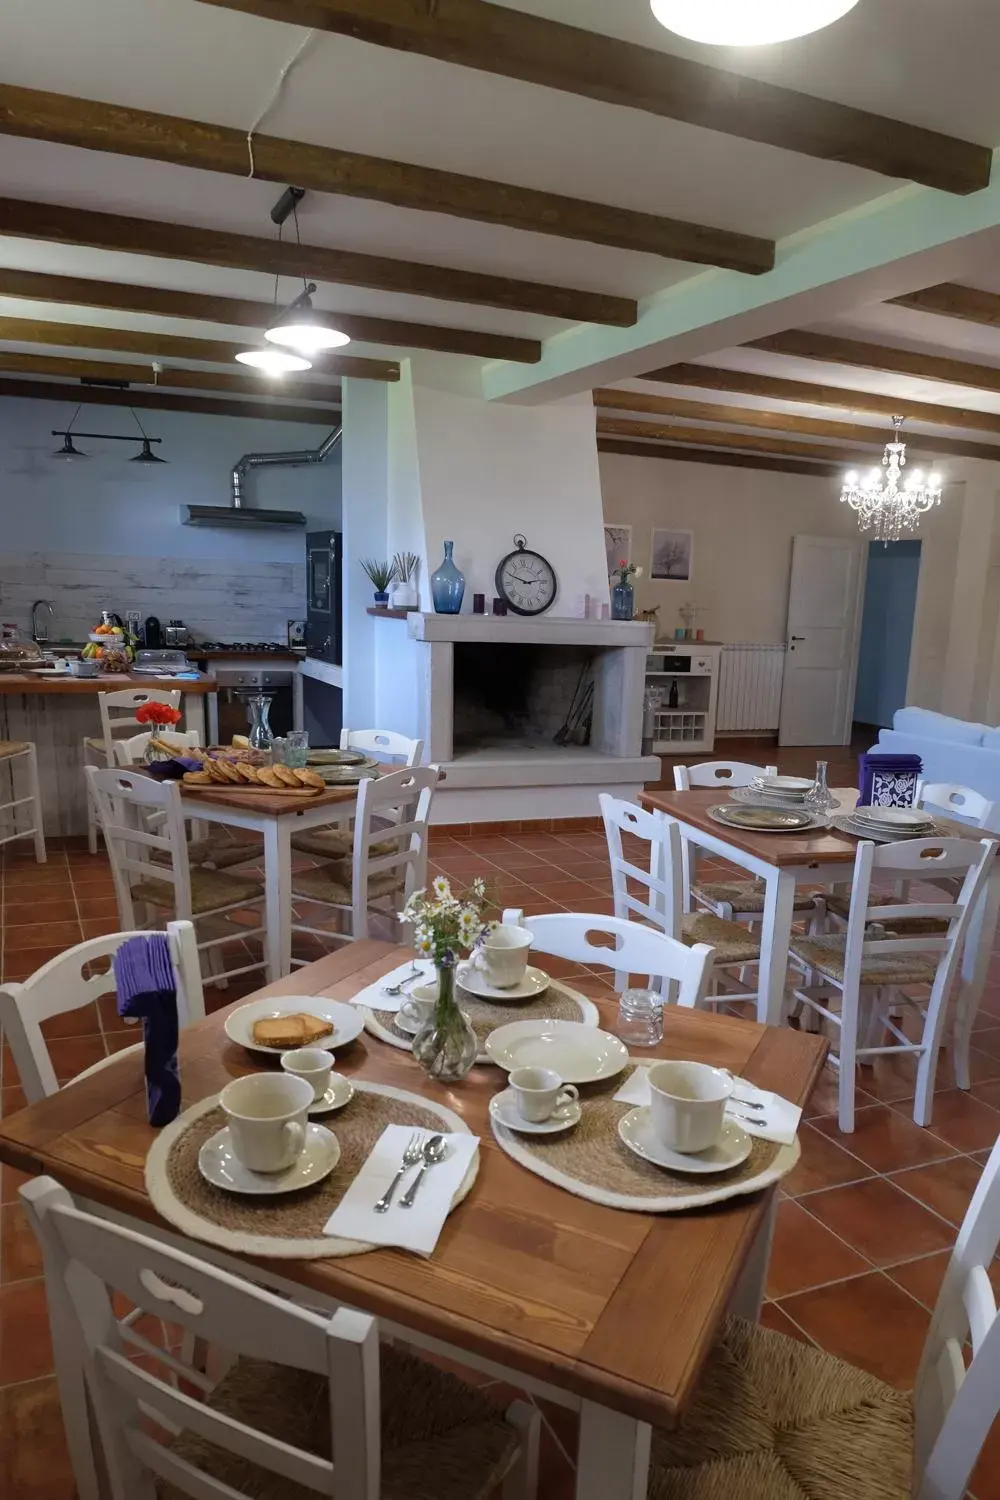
point(158, 716)
point(622, 593)
point(444, 924)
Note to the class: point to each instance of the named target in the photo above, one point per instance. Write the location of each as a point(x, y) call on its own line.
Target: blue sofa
point(951, 749)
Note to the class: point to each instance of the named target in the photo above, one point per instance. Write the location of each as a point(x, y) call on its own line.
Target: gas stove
point(255, 648)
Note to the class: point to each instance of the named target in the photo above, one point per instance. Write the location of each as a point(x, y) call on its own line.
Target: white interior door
point(824, 627)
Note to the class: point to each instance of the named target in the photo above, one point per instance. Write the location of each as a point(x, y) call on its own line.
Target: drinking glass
point(640, 1018)
point(296, 747)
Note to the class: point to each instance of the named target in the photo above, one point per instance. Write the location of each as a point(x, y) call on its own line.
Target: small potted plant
point(158, 716)
point(443, 924)
point(404, 592)
point(381, 575)
point(623, 594)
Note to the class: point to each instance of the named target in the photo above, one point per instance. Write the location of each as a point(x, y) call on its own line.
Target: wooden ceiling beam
point(842, 398)
point(777, 421)
point(949, 300)
point(705, 456)
point(123, 296)
point(36, 115)
point(750, 442)
point(802, 344)
point(160, 346)
point(247, 252)
point(258, 411)
point(193, 380)
point(501, 40)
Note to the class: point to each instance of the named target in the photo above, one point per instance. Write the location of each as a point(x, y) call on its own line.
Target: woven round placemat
point(289, 1225)
point(593, 1162)
point(558, 1003)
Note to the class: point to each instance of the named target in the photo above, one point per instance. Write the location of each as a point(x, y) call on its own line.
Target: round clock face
point(527, 581)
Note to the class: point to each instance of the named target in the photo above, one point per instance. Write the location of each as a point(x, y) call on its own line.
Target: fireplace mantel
point(543, 630)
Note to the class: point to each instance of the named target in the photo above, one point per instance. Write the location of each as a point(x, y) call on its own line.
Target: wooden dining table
point(606, 1312)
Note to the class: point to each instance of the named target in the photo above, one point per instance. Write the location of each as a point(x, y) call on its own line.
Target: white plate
point(503, 1107)
point(346, 1020)
point(534, 983)
point(894, 817)
point(872, 832)
point(786, 819)
point(340, 1092)
point(578, 1053)
point(219, 1165)
point(786, 784)
point(636, 1130)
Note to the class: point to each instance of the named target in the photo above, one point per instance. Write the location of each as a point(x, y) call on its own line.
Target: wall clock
point(526, 579)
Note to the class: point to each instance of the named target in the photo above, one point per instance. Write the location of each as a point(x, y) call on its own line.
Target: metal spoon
point(435, 1150)
point(397, 989)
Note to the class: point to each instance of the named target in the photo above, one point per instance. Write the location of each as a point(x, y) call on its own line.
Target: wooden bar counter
point(57, 713)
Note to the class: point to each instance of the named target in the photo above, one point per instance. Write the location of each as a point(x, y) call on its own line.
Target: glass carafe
point(258, 708)
point(820, 799)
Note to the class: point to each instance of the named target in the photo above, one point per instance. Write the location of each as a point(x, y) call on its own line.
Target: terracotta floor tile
point(96, 906)
point(46, 935)
point(80, 1022)
point(20, 1258)
point(886, 1139)
point(70, 1055)
point(869, 1321)
point(19, 963)
point(922, 1278)
point(25, 1346)
point(946, 1186)
point(891, 1080)
point(880, 1222)
point(11, 1100)
point(805, 1254)
point(101, 926)
point(31, 913)
point(965, 1123)
point(34, 1461)
point(10, 1181)
point(823, 1164)
point(774, 1317)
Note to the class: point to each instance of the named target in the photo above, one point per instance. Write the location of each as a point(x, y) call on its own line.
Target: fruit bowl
point(107, 637)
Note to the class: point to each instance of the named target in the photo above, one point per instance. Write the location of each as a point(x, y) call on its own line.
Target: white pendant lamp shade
point(306, 333)
point(747, 23)
point(273, 361)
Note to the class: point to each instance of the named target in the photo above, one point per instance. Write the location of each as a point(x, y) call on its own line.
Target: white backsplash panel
point(217, 600)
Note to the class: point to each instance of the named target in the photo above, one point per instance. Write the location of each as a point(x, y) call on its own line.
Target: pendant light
point(147, 456)
point(69, 451)
point(747, 23)
point(303, 329)
point(273, 361)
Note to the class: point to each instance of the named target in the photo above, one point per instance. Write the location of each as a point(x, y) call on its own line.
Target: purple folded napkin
point(147, 990)
point(172, 770)
point(887, 780)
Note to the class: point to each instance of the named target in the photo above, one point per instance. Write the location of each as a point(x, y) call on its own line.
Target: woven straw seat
point(733, 944)
point(219, 855)
point(326, 843)
point(210, 889)
point(13, 747)
point(774, 1419)
point(332, 883)
point(742, 895)
point(826, 954)
point(840, 906)
point(441, 1440)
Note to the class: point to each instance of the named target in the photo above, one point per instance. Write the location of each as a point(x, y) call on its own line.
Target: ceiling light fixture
point(273, 361)
point(69, 451)
point(303, 329)
point(885, 503)
point(747, 23)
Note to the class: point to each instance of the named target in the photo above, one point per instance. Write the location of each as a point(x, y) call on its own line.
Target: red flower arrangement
point(157, 713)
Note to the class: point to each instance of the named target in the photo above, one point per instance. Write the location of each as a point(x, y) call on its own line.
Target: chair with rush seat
point(117, 711)
point(381, 744)
point(21, 759)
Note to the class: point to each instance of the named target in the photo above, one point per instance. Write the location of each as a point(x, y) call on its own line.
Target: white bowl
point(578, 1053)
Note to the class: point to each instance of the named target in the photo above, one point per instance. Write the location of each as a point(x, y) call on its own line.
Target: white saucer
point(219, 1165)
point(636, 1130)
point(340, 1092)
point(577, 1052)
point(407, 1023)
point(534, 983)
point(504, 1109)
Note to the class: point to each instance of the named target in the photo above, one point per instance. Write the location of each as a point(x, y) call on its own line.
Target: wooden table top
point(46, 683)
point(273, 804)
point(617, 1307)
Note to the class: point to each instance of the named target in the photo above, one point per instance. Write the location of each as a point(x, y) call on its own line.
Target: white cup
point(267, 1115)
point(503, 956)
point(418, 1007)
point(540, 1094)
point(688, 1104)
point(311, 1063)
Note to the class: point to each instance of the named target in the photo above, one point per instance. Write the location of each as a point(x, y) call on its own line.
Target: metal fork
point(413, 1153)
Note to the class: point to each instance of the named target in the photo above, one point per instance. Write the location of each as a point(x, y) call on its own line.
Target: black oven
point(324, 605)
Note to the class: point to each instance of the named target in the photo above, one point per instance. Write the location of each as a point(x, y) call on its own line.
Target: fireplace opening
point(526, 697)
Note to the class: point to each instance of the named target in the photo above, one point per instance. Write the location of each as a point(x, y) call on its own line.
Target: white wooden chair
point(959, 802)
point(117, 712)
point(20, 756)
point(649, 887)
point(737, 899)
point(389, 857)
point(151, 868)
point(130, 751)
point(763, 1395)
point(680, 970)
point(300, 1408)
point(382, 745)
point(74, 979)
point(867, 966)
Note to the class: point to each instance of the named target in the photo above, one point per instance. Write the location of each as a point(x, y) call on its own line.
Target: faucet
point(36, 635)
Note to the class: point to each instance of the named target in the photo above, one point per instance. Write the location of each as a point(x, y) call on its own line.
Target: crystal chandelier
point(885, 502)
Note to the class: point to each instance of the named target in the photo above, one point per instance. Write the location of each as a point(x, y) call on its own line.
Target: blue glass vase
point(448, 585)
point(622, 601)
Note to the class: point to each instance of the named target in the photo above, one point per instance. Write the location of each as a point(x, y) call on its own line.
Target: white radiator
point(750, 677)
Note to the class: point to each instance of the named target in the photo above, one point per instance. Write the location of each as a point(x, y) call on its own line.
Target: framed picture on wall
point(672, 555)
point(617, 545)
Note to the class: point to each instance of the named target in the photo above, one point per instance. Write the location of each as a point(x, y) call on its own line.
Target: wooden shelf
point(392, 614)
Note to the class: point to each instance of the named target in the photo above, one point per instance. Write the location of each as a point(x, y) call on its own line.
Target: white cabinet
point(688, 672)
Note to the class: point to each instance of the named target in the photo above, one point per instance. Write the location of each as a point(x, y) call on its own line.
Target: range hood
point(247, 518)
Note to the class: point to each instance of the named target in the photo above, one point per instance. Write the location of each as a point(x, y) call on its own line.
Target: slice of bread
point(297, 1030)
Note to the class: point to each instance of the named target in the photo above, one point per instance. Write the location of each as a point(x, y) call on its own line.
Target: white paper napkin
point(415, 1228)
point(375, 997)
point(779, 1122)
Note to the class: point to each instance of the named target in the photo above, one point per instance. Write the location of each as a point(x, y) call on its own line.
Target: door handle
point(798, 637)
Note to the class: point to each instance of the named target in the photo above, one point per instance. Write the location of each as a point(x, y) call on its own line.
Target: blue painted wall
point(886, 631)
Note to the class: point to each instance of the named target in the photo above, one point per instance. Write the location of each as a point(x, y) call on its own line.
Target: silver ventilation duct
point(238, 514)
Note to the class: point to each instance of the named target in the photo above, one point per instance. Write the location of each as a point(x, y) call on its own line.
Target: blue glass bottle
point(622, 601)
point(448, 585)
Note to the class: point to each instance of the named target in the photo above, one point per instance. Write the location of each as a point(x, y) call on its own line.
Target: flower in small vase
point(627, 571)
point(157, 713)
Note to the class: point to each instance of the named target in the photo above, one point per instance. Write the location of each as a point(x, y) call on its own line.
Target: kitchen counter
point(52, 683)
point(224, 653)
